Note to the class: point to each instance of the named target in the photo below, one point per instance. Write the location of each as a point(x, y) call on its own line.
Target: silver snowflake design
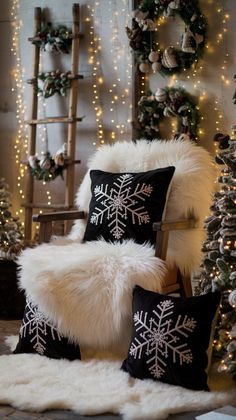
point(35, 324)
point(118, 202)
point(158, 337)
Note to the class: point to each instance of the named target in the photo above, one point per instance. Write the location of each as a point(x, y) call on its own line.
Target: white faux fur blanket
point(86, 289)
point(36, 383)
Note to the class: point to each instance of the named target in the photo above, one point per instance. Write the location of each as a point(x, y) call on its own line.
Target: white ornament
point(153, 56)
point(40, 84)
point(33, 161)
point(232, 298)
point(169, 59)
point(160, 95)
point(60, 155)
point(49, 47)
point(156, 67)
point(158, 336)
point(144, 67)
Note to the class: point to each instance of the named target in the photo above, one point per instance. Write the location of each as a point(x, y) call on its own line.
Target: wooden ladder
point(71, 119)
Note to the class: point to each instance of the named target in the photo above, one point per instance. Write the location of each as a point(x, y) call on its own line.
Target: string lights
point(21, 140)
point(122, 66)
point(114, 115)
point(94, 52)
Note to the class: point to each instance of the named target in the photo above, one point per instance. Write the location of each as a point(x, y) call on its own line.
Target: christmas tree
point(11, 230)
point(219, 262)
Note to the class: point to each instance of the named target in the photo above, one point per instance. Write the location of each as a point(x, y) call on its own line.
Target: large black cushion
point(125, 205)
point(170, 338)
point(38, 335)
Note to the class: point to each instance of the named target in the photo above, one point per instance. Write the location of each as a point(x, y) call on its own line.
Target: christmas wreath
point(48, 167)
point(53, 39)
point(50, 83)
point(143, 40)
point(168, 102)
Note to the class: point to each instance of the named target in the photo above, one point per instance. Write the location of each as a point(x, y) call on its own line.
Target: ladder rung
point(51, 120)
point(72, 36)
point(33, 80)
point(45, 206)
point(68, 161)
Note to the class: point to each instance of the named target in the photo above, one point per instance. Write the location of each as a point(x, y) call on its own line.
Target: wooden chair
point(189, 203)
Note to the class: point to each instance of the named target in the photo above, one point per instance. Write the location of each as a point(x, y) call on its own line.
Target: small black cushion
point(125, 205)
point(170, 338)
point(38, 335)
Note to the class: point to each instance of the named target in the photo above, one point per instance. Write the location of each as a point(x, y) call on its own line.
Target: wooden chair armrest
point(163, 226)
point(60, 215)
point(46, 219)
point(162, 230)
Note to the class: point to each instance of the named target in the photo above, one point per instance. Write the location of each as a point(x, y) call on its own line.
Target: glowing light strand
point(21, 140)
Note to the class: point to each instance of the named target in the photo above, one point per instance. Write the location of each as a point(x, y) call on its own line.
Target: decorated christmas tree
point(11, 231)
point(219, 262)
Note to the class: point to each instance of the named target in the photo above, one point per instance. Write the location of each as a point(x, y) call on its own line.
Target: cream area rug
point(36, 383)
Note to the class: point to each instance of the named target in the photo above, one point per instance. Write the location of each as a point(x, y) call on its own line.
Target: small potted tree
point(11, 243)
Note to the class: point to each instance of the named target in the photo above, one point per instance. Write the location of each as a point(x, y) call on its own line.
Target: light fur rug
point(36, 383)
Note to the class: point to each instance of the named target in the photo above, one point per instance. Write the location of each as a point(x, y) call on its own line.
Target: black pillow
point(38, 335)
point(125, 205)
point(170, 338)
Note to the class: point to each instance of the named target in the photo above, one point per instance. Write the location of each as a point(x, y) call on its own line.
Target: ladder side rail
point(71, 140)
point(29, 191)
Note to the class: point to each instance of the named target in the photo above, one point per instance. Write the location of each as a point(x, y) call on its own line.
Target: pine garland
point(47, 168)
point(50, 83)
point(54, 39)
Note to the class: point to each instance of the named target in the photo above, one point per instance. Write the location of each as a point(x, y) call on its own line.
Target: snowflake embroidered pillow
point(38, 335)
point(125, 205)
point(170, 338)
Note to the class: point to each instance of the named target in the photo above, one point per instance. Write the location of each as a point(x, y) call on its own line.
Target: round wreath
point(47, 168)
point(54, 39)
point(50, 83)
point(146, 48)
point(168, 102)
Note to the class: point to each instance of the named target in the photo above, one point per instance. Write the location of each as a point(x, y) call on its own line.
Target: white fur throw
point(86, 288)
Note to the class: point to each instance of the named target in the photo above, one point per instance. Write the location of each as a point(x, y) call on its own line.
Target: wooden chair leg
point(185, 285)
point(45, 232)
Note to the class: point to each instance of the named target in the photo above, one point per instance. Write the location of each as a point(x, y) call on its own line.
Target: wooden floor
point(7, 412)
